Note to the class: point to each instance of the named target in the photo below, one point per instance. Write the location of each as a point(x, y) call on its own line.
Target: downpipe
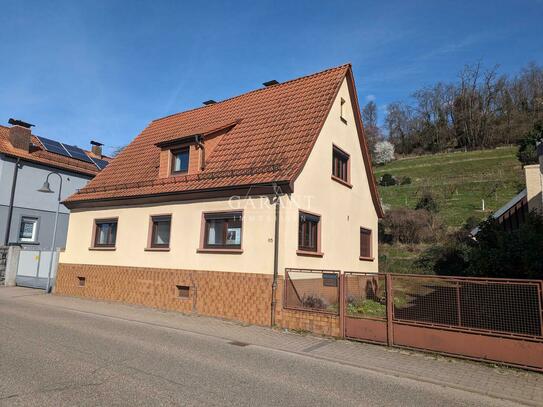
point(277, 202)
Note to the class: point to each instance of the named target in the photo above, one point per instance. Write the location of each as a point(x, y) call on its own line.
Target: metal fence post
point(390, 309)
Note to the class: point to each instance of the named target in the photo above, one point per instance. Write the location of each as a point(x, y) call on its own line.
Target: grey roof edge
point(512, 202)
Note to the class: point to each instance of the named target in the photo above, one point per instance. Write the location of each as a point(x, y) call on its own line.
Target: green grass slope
point(459, 181)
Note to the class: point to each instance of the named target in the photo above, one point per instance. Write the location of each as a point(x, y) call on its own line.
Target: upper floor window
point(222, 230)
point(105, 232)
point(309, 232)
point(28, 232)
point(342, 111)
point(160, 231)
point(365, 244)
point(340, 164)
point(180, 160)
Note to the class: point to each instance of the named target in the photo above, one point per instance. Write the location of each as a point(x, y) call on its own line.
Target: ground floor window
point(308, 232)
point(222, 230)
point(160, 231)
point(28, 232)
point(105, 233)
point(365, 243)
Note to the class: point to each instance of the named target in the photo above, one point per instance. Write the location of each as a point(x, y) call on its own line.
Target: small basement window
point(81, 281)
point(340, 164)
point(183, 291)
point(180, 160)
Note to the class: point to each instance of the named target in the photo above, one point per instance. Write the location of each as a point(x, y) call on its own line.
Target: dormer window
point(180, 160)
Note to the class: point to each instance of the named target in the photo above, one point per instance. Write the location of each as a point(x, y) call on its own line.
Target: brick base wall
point(244, 297)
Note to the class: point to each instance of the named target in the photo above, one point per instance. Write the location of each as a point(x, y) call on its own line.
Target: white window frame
point(29, 219)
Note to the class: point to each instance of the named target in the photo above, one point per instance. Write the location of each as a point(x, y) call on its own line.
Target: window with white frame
point(28, 231)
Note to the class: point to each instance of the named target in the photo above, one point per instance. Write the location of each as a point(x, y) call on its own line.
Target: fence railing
point(496, 306)
point(3, 262)
point(499, 320)
point(312, 290)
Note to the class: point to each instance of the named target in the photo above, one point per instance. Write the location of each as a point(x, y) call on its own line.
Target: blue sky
point(82, 70)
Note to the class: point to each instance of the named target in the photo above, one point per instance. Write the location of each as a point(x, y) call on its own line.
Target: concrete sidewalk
point(498, 382)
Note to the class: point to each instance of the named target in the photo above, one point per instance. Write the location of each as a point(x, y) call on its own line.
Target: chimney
point(20, 134)
point(96, 148)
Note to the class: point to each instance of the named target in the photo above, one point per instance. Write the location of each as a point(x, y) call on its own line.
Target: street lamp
point(46, 188)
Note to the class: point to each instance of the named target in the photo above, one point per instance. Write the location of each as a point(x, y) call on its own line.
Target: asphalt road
point(52, 357)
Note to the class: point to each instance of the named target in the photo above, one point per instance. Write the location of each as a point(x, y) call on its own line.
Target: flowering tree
point(383, 152)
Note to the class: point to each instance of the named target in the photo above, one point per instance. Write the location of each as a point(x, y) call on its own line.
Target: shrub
point(495, 253)
point(427, 202)
point(312, 301)
point(405, 181)
point(387, 180)
point(412, 226)
point(383, 152)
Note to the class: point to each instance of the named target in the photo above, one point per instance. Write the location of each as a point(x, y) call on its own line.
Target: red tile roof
point(38, 155)
point(274, 132)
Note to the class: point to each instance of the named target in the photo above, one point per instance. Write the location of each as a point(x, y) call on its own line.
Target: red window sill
point(225, 251)
point(366, 258)
point(345, 183)
point(157, 249)
point(105, 249)
point(309, 254)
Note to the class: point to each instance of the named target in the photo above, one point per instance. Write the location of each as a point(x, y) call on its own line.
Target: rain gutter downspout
point(11, 201)
point(277, 202)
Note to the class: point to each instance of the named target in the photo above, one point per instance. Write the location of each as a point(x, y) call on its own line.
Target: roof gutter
point(202, 194)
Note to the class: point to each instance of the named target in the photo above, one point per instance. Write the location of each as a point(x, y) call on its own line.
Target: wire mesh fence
point(501, 306)
point(312, 290)
point(365, 295)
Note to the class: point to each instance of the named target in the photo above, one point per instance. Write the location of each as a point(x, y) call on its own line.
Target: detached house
point(206, 209)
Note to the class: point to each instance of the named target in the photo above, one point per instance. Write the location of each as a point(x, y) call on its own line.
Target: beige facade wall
point(133, 228)
point(534, 182)
point(343, 211)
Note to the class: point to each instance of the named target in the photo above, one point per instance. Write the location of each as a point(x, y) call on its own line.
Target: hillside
point(459, 182)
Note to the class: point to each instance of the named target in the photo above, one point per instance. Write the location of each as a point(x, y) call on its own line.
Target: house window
point(342, 111)
point(365, 243)
point(223, 230)
point(183, 291)
point(28, 232)
point(160, 231)
point(308, 232)
point(106, 233)
point(340, 164)
point(180, 160)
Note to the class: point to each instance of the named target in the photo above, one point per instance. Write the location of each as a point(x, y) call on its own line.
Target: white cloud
point(370, 98)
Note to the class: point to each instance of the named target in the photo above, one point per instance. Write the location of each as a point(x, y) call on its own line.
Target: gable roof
point(273, 130)
point(39, 155)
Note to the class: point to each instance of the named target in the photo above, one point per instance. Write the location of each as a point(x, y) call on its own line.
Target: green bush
point(387, 180)
point(405, 181)
point(527, 150)
point(427, 202)
point(365, 307)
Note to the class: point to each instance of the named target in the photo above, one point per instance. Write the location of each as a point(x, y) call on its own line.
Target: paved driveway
point(64, 351)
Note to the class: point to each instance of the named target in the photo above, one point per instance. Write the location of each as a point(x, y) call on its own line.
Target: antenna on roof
point(270, 83)
point(15, 122)
point(209, 102)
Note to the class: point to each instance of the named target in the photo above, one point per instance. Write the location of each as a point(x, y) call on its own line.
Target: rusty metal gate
point(480, 318)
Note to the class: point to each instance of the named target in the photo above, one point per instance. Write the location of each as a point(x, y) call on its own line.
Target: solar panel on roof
point(101, 164)
point(77, 153)
point(53, 146)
